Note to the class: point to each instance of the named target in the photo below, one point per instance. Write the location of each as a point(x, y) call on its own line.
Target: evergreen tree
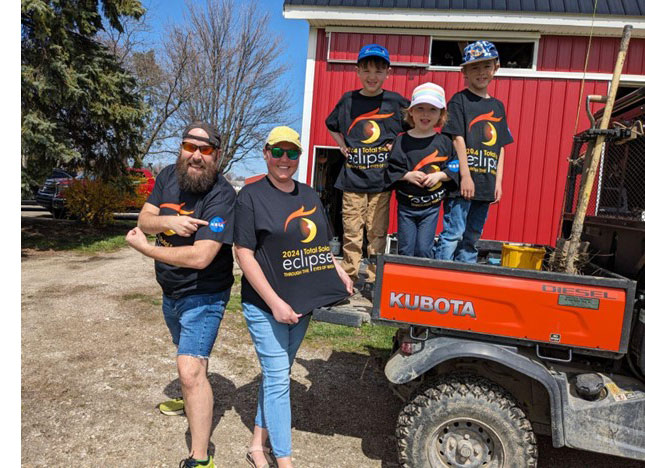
point(79, 106)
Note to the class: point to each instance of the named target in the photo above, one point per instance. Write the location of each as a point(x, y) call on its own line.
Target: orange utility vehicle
point(486, 356)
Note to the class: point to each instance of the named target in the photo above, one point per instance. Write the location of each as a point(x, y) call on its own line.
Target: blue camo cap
point(479, 51)
point(374, 50)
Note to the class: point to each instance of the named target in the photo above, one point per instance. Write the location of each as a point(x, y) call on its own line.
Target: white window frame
point(535, 41)
point(305, 130)
point(312, 169)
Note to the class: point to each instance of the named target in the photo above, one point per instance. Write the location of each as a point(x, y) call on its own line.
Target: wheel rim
point(465, 443)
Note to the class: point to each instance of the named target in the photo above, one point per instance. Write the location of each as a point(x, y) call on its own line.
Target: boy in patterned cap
point(477, 125)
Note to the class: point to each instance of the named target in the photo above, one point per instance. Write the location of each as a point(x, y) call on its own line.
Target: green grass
point(349, 339)
point(326, 335)
point(72, 236)
point(95, 245)
point(235, 302)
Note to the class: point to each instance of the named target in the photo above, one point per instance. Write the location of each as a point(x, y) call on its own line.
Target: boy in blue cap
point(477, 125)
point(364, 123)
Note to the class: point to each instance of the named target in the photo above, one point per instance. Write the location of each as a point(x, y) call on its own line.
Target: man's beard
point(195, 183)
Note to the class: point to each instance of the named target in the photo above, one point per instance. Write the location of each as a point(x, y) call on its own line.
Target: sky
point(294, 34)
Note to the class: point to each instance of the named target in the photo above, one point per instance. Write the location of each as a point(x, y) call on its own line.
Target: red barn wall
point(541, 112)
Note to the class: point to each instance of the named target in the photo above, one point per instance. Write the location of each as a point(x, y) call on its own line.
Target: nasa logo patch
point(217, 224)
point(453, 166)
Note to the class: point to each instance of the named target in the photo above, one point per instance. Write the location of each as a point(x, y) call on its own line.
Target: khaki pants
point(364, 210)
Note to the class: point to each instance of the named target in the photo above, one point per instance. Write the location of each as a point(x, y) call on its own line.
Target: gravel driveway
point(97, 359)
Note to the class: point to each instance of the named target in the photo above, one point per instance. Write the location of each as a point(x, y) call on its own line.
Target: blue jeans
point(276, 345)
point(463, 223)
point(194, 321)
point(416, 229)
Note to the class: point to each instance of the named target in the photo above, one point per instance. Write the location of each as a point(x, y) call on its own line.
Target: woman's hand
point(283, 313)
point(347, 281)
point(344, 277)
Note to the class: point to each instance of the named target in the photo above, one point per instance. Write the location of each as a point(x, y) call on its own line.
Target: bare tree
point(129, 40)
point(167, 89)
point(234, 73)
point(160, 80)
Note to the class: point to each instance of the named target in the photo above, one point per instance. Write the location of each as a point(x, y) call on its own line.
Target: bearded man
point(191, 212)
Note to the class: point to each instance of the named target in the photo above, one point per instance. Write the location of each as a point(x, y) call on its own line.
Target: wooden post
point(590, 170)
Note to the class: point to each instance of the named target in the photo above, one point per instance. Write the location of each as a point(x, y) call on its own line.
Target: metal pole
point(589, 174)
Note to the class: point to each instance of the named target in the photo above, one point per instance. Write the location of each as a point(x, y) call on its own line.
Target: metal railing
point(619, 188)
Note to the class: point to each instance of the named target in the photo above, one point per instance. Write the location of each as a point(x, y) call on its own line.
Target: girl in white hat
point(421, 166)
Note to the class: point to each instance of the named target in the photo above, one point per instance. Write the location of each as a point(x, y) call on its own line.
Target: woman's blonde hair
point(407, 117)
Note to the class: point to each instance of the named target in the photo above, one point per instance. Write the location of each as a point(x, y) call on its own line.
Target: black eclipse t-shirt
point(482, 124)
point(367, 123)
point(215, 206)
point(430, 154)
point(290, 236)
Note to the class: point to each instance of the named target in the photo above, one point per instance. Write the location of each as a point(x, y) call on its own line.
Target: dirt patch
point(97, 359)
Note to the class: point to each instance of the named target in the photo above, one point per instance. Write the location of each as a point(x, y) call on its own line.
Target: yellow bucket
point(522, 256)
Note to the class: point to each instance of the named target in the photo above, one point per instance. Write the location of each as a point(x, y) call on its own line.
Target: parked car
point(46, 194)
point(144, 182)
point(52, 195)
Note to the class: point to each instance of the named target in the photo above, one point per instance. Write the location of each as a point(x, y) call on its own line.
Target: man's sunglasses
point(191, 148)
point(292, 154)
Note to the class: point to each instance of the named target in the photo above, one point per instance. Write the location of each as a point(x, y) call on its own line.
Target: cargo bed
point(589, 313)
point(586, 314)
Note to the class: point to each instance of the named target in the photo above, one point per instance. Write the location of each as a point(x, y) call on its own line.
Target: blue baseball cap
point(479, 51)
point(374, 50)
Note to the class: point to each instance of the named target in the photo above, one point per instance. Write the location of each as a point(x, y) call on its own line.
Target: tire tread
point(459, 387)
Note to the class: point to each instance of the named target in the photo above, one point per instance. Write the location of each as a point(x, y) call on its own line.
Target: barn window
point(448, 53)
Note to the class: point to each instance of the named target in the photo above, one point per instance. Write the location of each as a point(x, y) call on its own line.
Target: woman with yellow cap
point(282, 245)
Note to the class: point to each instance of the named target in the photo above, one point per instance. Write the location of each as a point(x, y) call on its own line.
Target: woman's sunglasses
point(191, 148)
point(292, 154)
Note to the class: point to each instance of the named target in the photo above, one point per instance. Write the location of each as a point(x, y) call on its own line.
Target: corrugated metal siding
point(566, 53)
point(541, 114)
point(402, 48)
point(603, 7)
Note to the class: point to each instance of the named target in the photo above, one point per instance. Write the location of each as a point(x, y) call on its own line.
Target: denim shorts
point(194, 321)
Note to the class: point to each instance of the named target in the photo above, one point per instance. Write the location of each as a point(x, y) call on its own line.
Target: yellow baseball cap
point(282, 133)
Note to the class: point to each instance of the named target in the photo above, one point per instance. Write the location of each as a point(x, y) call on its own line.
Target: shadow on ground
point(348, 396)
point(224, 393)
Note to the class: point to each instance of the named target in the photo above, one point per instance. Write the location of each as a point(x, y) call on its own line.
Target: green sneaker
point(190, 462)
point(174, 407)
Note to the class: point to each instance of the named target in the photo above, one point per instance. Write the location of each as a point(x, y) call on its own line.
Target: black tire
point(59, 213)
point(464, 421)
